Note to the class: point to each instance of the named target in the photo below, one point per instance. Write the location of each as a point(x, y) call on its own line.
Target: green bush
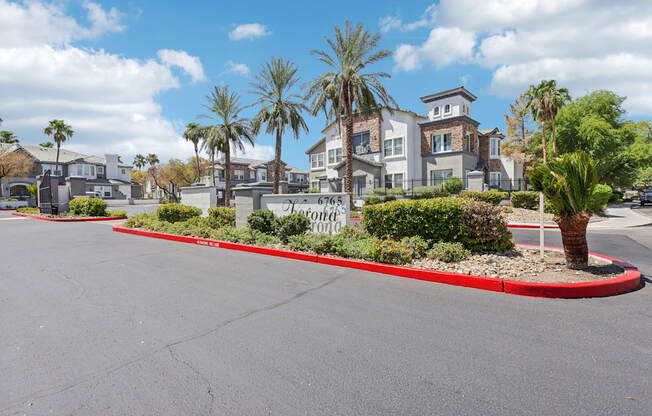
point(486, 229)
point(389, 198)
point(389, 252)
point(436, 219)
point(116, 213)
point(27, 210)
point(88, 207)
point(313, 243)
point(246, 236)
point(616, 196)
point(372, 200)
point(525, 199)
point(448, 252)
point(416, 245)
point(177, 212)
point(453, 185)
point(262, 220)
point(600, 197)
point(314, 191)
point(146, 221)
point(492, 197)
point(379, 191)
point(293, 224)
point(223, 216)
point(395, 191)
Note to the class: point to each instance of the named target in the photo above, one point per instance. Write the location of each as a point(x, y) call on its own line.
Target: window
point(124, 171)
point(80, 170)
point(448, 142)
point(436, 111)
point(86, 170)
point(436, 143)
point(495, 148)
point(314, 185)
point(92, 170)
point(494, 179)
point(100, 170)
point(252, 174)
point(464, 108)
point(334, 156)
point(447, 108)
point(317, 161)
point(263, 176)
point(361, 143)
point(393, 147)
point(442, 143)
point(468, 142)
point(438, 177)
point(238, 174)
point(394, 180)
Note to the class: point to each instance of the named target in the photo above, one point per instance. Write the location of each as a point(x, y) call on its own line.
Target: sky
point(129, 75)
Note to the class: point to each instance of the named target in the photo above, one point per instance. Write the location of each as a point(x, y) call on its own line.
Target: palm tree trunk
point(554, 139)
point(197, 160)
point(573, 237)
point(277, 161)
point(544, 143)
point(227, 174)
point(348, 145)
point(56, 164)
point(213, 167)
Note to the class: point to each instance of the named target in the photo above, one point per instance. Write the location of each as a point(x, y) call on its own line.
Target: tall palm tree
point(139, 161)
point(544, 101)
point(152, 159)
point(60, 132)
point(236, 130)
point(556, 98)
point(194, 133)
point(213, 143)
point(8, 137)
point(278, 107)
point(535, 104)
point(568, 183)
point(346, 90)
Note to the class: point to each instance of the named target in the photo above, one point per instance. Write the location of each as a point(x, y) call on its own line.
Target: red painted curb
point(628, 281)
point(39, 217)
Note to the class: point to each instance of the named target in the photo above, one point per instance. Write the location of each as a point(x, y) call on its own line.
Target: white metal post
point(541, 228)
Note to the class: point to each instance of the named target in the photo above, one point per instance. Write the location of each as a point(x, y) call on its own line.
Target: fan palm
point(139, 161)
point(346, 90)
point(535, 104)
point(152, 159)
point(213, 143)
point(278, 107)
point(194, 133)
point(568, 183)
point(8, 137)
point(555, 99)
point(236, 130)
point(60, 132)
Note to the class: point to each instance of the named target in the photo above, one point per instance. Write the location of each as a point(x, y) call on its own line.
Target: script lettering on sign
point(328, 213)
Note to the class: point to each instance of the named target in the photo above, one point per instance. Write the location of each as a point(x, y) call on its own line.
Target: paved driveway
point(94, 322)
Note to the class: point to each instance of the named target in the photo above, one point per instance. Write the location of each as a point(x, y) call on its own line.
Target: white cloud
point(262, 152)
point(108, 99)
point(388, 23)
point(236, 68)
point(249, 31)
point(583, 44)
point(191, 65)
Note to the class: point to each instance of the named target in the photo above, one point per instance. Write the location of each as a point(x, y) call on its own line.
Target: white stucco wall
point(456, 103)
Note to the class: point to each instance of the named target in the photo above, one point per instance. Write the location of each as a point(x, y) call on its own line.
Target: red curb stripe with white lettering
point(628, 281)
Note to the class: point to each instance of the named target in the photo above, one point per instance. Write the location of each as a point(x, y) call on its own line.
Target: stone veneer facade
point(372, 125)
point(458, 129)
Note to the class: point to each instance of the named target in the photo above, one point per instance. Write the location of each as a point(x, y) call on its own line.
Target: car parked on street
point(646, 197)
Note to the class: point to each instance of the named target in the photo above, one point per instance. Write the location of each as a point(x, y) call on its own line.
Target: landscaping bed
point(81, 209)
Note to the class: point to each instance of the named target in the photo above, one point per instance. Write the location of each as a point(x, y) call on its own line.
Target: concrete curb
point(628, 281)
point(39, 217)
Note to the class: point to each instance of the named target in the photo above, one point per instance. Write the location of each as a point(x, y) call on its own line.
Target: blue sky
point(121, 94)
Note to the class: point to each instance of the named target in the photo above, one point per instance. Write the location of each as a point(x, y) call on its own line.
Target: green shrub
point(314, 191)
point(313, 243)
point(246, 236)
point(379, 191)
point(209, 223)
point(389, 252)
point(223, 216)
point(508, 210)
point(492, 197)
point(436, 219)
point(389, 198)
point(486, 229)
point(396, 191)
point(448, 252)
point(525, 199)
point(372, 200)
point(293, 224)
point(262, 220)
point(453, 185)
point(416, 245)
point(88, 207)
point(116, 213)
point(177, 212)
point(600, 197)
point(146, 221)
point(616, 196)
point(27, 210)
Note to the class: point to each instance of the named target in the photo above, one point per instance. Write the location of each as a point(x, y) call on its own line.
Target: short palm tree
point(346, 90)
point(139, 161)
point(235, 129)
point(568, 183)
point(60, 132)
point(278, 107)
point(8, 137)
point(193, 134)
point(213, 143)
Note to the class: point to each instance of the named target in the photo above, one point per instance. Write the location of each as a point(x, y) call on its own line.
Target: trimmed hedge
point(600, 197)
point(177, 212)
point(453, 185)
point(492, 197)
point(525, 199)
point(88, 207)
point(293, 224)
point(223, 216)
point(262, 220)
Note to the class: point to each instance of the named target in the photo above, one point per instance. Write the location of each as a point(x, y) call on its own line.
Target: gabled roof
point(254, 164)
point(449, 93)
point(361, 159)
point(400, 110)
point(49, 155)
point(493, 132)
point(311, 148)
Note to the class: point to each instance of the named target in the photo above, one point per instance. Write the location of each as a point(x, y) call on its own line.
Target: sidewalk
point(621, 216)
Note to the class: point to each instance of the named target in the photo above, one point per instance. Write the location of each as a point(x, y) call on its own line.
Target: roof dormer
point(455, 102)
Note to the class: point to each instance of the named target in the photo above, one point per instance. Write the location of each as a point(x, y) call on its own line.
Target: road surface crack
point(205, 379)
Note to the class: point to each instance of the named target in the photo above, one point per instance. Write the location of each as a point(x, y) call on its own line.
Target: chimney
point(111, 166)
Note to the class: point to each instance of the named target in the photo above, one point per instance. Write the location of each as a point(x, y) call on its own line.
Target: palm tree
point(194, 133)
point(535, 103)
point(345, 90)
point(213, 143)
point(47, 145)
point(152, 159)
point(556, 98)
point(544, 101)
point(139, 161)
point(8, 137)
point(568, 183)
point(278, 107)
point(60, 132)
point(236, 130)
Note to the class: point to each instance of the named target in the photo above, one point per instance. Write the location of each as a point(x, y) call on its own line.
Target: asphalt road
point(94, 322)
